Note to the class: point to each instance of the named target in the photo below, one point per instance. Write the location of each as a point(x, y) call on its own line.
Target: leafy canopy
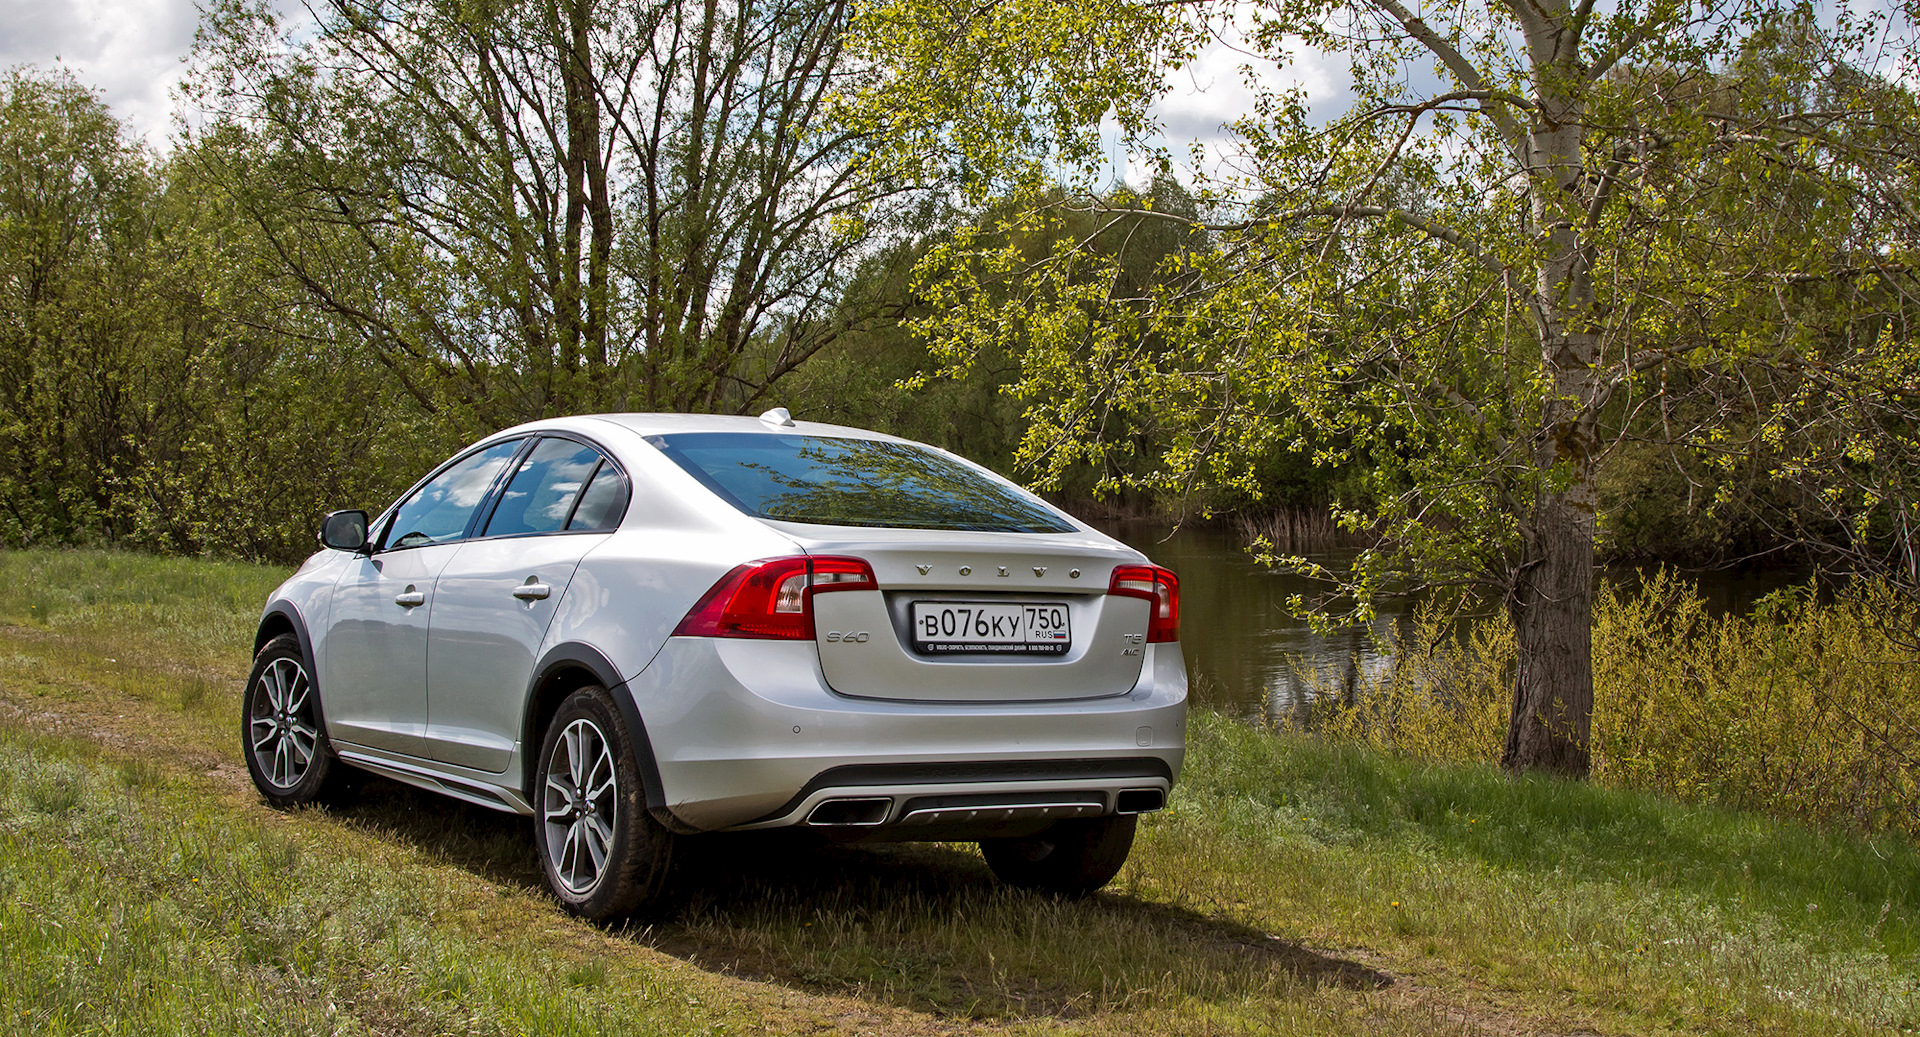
point(1535, 229)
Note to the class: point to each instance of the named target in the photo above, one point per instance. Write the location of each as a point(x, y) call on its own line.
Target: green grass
point(129, 905)
point(1684, 916)
point(1294, 886)
point(189, 604)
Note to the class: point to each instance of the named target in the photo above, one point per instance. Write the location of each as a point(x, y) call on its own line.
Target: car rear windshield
point(854, 482)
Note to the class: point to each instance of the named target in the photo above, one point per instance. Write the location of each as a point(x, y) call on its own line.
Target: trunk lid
point(1009, 589)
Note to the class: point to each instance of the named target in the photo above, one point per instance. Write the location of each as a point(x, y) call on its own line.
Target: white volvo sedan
point(633, 627)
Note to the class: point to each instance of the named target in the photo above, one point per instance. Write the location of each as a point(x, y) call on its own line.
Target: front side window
point(541, 496)
point(854, 482)
point(440, 511)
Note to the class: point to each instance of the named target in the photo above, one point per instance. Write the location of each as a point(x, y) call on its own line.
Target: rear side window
point(541, 495)
point(604, 502)
point(854, 482)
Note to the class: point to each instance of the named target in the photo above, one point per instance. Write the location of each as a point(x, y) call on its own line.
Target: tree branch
point(1456, 62)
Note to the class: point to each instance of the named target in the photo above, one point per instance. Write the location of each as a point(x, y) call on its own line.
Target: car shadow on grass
point(927, 926)
point(920, 926)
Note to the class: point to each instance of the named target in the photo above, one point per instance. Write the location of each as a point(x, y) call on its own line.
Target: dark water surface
point(1248, 657)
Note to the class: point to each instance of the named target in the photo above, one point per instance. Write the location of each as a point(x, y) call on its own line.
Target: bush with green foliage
point(1807, 708)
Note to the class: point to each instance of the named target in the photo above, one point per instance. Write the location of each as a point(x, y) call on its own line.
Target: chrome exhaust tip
point(851, 813)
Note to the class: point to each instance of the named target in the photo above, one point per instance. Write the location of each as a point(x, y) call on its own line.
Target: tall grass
point(1805, 709)
point(206, 609)
point(1688, 917)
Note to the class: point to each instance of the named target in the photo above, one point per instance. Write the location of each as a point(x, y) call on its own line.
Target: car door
point(375, 692)
point(496, 598)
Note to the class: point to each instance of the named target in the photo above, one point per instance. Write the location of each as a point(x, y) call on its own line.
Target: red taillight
point(1157, 585)
point(773, 599)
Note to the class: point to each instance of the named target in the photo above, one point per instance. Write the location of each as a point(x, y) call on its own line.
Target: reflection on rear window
point(854, 482)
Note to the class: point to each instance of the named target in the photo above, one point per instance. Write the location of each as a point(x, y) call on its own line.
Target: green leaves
point(997, 97)
point(78, 321)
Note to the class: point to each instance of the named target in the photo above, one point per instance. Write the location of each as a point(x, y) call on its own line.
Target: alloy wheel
point(579, 806)
point(282, 728)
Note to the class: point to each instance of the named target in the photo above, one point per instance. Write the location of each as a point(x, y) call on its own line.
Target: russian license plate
point(1010, 628)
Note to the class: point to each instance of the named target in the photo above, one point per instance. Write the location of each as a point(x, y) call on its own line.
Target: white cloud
point(131, 51)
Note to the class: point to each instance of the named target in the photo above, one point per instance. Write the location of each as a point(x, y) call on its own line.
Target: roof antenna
point(778, 416)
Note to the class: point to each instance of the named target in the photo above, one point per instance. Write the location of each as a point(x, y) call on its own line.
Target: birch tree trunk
point(1551, 595)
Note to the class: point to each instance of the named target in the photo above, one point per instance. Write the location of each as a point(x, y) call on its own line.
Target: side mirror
point(344, 530)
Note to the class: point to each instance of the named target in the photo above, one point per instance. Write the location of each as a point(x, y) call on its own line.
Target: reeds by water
point(1299, 529)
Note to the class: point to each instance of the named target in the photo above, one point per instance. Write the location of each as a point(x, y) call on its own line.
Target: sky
point(131, 51)
point(1213, 89)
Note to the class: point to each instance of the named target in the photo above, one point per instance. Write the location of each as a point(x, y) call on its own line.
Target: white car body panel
point(740, 726)
point(1071, 568)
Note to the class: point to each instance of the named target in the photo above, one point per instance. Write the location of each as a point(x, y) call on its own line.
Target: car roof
point(666, 424)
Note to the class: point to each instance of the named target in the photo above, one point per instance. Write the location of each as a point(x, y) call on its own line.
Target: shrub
point(1806, 708)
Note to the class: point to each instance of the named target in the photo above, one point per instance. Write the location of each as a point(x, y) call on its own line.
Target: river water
point(1247, 656)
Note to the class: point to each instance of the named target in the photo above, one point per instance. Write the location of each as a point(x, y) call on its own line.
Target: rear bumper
point(747, 734)
point(962, 801)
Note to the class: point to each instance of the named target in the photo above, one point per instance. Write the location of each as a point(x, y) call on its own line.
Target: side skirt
point(477, 792)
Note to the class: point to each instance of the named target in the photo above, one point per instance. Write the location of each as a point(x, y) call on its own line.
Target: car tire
point(604, 855)
point(284, 733)
point(1068, 858)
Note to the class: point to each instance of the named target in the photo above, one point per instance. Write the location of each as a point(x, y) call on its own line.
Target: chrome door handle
point(411, 598)
point(531, 591)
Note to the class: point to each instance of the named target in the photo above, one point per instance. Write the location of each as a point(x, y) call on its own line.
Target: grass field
point(1293, 887)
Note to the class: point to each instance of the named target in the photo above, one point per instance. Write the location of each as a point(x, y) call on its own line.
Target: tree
point(1478, 278)
point(269, 416)
point(146, 397)
point(76, 307)
point(534, 207)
